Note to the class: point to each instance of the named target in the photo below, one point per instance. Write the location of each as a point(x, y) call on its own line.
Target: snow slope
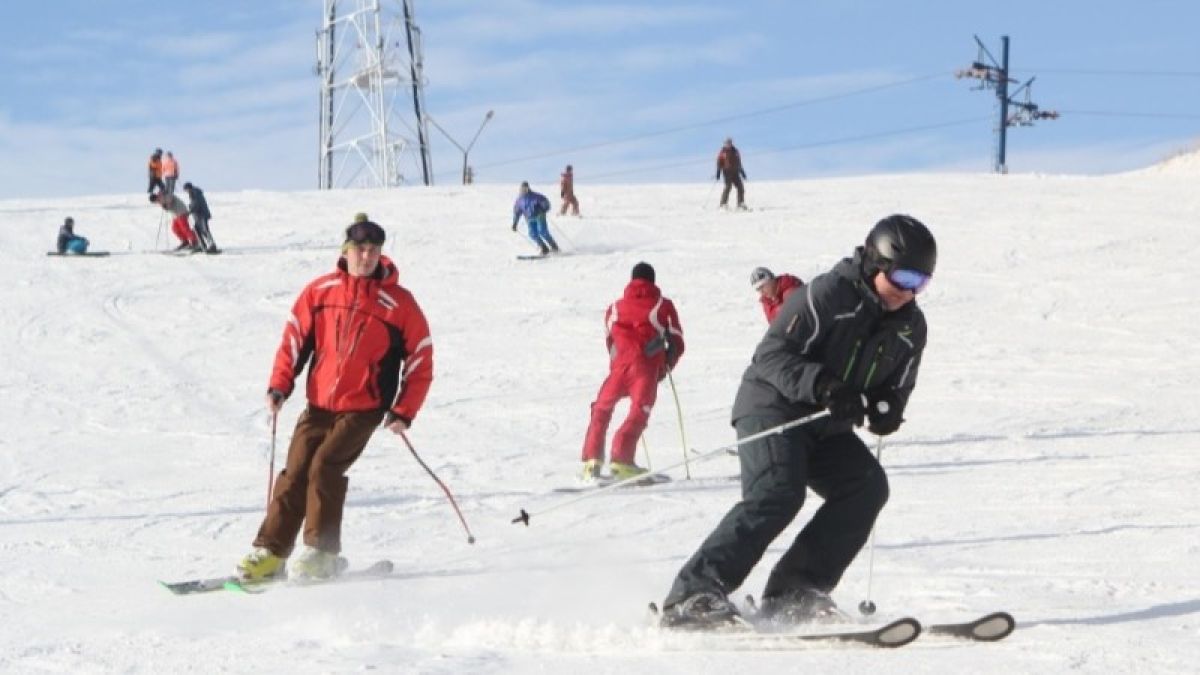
point(1048, 466)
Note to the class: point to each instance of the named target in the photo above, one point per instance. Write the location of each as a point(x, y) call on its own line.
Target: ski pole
point(470, 537)
point(708, 195)
point(562, 234)
point(687, 468)
point(158, 237)
point(524, 516)
point(867, 607)
point(646, 449)
point(271, 469)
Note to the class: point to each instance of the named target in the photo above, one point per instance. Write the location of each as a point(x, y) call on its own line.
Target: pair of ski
point(234, 583)
point(645, 480)
point(987, 628)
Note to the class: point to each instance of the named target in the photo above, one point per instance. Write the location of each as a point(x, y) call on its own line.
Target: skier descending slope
point(851, 342)
point(364, 337)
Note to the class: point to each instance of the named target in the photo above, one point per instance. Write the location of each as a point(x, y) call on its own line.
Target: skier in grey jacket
point(850, 342)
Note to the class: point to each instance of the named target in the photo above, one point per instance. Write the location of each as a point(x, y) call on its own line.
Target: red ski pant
point(640, 384)
point(180, 228)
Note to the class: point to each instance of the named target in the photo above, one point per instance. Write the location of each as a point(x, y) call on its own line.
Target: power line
point(719, 120)
point(803, 146)
point(1116, 113)
point(1125, 73)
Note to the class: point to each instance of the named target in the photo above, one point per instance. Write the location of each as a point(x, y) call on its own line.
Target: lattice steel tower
point(369, 61)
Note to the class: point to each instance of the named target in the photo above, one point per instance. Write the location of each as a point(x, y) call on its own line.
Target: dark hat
point(187, 186)
point(365, 232)
point(760, 276)
point(69, 222)
point(524, 185)
point(158, 151)
point(643, 270)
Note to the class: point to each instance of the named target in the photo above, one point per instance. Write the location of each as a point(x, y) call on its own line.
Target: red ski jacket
point(785, 284)
point(366, 338)
point(640, 325)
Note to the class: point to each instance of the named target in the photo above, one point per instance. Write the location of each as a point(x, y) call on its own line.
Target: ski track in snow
point(1047, 466)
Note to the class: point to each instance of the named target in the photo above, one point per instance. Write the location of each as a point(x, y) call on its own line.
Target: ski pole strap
point(525, 516)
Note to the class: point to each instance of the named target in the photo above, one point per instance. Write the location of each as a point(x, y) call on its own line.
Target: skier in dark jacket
point(198, 208)
point(849, 342)
point(729, 165)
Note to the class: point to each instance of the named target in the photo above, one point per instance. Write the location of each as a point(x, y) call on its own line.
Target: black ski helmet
point(901, 242)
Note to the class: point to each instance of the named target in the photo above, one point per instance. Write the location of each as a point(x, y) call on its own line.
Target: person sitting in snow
point(68, 241)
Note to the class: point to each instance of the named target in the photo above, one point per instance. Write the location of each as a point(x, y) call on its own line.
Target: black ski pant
point(205, 234)
point(775, 472)
point(733, 182)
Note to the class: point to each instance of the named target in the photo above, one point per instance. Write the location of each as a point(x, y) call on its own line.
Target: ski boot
point(261, 564)
point(801, 606)
point(591, 470)
point(315, 564)
point(621, 471)
point(702, 611)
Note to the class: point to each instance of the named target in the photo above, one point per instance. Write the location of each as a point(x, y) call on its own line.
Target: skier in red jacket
point(644, 341)
point(773, 290)
point(370, 361)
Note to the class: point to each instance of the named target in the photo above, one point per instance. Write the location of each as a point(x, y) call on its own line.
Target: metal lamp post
point(467, 150)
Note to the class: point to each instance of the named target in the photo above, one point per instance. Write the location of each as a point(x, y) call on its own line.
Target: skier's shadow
point(1155, 612)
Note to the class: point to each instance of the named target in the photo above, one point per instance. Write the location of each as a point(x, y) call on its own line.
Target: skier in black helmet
point(850, 342)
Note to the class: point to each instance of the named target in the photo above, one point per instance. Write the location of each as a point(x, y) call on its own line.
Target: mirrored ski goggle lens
point(909, 280)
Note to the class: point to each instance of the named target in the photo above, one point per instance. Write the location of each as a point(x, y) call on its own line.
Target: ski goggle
point(909, 280)
point(365, 233)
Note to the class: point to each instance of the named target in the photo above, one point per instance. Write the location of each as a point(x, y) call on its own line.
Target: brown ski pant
point(569, 201)
point(311, 490)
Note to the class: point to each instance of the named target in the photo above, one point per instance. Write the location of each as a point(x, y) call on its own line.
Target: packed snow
point(1048, 466)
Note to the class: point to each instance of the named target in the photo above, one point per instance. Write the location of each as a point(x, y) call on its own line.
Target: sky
point(626, 92)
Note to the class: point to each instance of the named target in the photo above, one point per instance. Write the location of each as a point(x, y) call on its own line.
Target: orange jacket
point(364, 338)
point(155, 167)
point(566, 184)
point(170, 167)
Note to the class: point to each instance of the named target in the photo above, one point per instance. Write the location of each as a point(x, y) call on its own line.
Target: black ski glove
point(276, 396)
point(844, 403)
point(884, 414)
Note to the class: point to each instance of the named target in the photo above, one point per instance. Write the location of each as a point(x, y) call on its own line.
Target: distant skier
point(566, 190)
point(68, 241)
point(729, 165)
point(644, 341)
point(170, 172)
point(179, 220)
point(773, 290)
point(534, 206)
point(198, 207)
point(154, 171)
point(370, 358)
point(851, 343)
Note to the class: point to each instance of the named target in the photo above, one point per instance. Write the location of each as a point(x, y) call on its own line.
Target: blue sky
point(806, 89)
